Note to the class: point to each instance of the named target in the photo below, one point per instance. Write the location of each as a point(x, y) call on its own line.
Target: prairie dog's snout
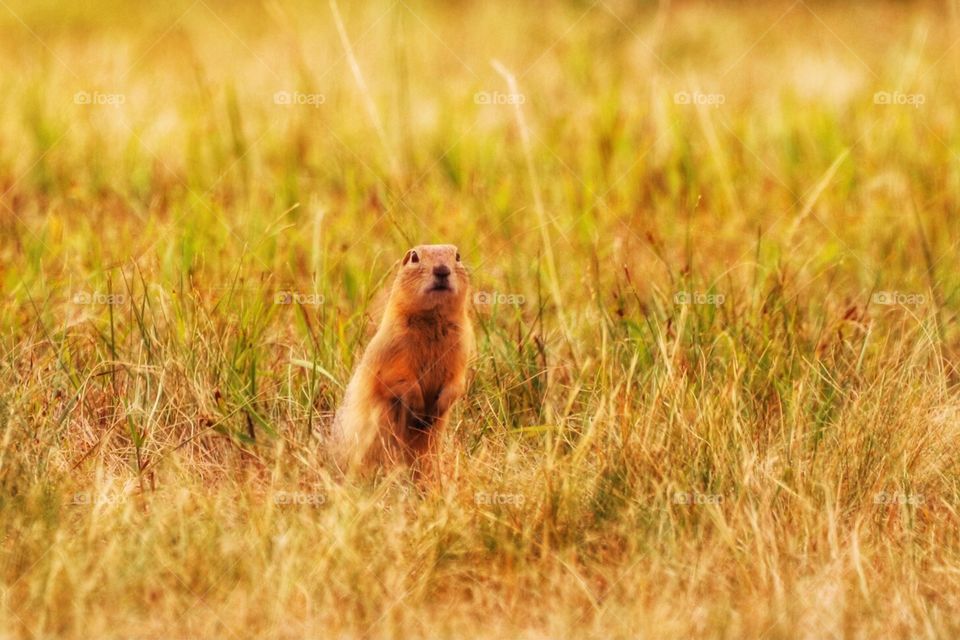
point(441, 275)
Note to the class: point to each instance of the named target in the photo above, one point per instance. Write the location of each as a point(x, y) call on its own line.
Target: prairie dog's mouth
point(439, 286)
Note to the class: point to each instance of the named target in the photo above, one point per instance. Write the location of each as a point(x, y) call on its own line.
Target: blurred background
point(714, 249)
point(125, 124)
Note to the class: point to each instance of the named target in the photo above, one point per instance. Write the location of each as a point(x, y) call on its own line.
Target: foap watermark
point(898, 298)
point(495, 97)
point(695, 498)
point(897, 498)
point(697, 98)
point(698, 297)
point(296, 98)
point(899, 98)
point(299, 498)
point(99, 99)
point(483, 498)
point(85, 498)
point(486, 298)
point(97, 297)
point(296, 297)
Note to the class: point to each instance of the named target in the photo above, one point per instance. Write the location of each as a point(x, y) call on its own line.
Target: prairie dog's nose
point(441, 271)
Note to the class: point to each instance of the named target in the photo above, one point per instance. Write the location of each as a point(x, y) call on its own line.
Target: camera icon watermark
point(495, 97)
point(296, 297)
point(483, 498)
point(898, 98)
point(84, 498)
point(898, 298)
point(697, 98)
point(299, 498)
point(698, 297)
point(99, 99)
point(296, 98)
point(694, 498)
point(97, 297)
point(487, 298)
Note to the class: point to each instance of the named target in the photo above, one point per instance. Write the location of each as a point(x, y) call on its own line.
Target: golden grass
point(716, 396)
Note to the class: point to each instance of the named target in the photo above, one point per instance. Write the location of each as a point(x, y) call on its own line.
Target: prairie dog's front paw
point(448, 395)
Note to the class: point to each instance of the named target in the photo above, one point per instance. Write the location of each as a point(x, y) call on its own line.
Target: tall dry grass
point(715, 255)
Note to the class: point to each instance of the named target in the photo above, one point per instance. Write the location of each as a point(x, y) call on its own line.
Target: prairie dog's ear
point(411, 256)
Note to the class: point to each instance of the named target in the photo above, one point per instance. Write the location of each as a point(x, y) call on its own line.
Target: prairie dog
point(397, 403)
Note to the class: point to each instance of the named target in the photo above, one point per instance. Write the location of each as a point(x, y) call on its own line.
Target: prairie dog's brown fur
point(398, 400)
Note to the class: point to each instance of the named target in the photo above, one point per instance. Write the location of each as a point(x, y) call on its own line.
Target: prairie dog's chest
point(433, 347)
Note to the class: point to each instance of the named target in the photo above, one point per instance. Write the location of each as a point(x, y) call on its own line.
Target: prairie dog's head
point(431, 276)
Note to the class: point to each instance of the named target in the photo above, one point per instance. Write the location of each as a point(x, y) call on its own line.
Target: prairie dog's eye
point(411, 257)
point(458, 256)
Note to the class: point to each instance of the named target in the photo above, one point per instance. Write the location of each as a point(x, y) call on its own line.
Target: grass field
point(714, 251)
